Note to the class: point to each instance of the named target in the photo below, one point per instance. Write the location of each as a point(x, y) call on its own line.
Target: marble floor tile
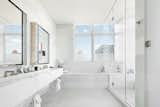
point(79, 98)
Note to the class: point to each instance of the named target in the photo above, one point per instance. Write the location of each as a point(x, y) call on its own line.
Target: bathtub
point(85, 75)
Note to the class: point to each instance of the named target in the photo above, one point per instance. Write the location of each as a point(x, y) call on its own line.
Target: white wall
point(36, 13)
point(64, 42)
point(152, 27)
point(1, 47)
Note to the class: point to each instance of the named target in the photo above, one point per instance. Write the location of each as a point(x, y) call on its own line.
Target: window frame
point(92, 35)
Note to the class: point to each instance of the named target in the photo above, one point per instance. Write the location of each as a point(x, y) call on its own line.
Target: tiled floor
point(79, 98)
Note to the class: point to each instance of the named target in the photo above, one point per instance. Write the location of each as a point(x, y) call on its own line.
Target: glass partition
point(122, 71)
point(130, 52)
point(117, 71)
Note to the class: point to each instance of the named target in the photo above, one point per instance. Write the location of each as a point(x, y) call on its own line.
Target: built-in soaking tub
point(85, 75)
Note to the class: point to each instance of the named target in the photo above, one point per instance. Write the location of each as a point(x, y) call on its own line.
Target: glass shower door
point(117, 74)
point(130, 52)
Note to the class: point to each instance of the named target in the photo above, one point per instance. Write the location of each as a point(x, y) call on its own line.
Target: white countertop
point(16, 89)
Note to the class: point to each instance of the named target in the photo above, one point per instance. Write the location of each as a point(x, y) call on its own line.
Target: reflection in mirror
point(43, 46)
point(10, 34)
point(39, 45)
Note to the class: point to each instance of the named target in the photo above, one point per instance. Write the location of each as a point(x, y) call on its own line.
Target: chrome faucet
point(9, 73)
point(17, 71)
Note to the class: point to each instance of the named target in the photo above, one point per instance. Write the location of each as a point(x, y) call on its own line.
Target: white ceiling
point(78, 11)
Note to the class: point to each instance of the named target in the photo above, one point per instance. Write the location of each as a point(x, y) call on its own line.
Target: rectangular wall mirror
point(39, 45)
point(43, 46)
point(11, 33)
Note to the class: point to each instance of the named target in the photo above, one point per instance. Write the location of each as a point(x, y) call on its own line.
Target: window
point(103, 28)
point(103, 48)
point(94, 42)
point(82, 43)
point(82, 29)
point(103, 42)
point(83, 48)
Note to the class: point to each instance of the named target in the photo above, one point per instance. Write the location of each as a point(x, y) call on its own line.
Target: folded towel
point(58, 85)
point(37, 100)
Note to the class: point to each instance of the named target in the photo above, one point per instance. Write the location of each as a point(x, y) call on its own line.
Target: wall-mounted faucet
point(15, 71)
point(9, 73)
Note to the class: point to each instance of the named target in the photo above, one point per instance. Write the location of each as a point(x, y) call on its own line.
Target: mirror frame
point(23, 30)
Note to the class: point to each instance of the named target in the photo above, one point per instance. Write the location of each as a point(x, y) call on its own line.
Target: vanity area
point(15, 91)
point(27, 68)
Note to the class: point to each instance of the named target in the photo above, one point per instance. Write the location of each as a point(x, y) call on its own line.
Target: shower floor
point(79, 98)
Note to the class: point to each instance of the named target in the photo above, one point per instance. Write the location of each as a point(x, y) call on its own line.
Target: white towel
point(58, 85)
point(37, 100)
